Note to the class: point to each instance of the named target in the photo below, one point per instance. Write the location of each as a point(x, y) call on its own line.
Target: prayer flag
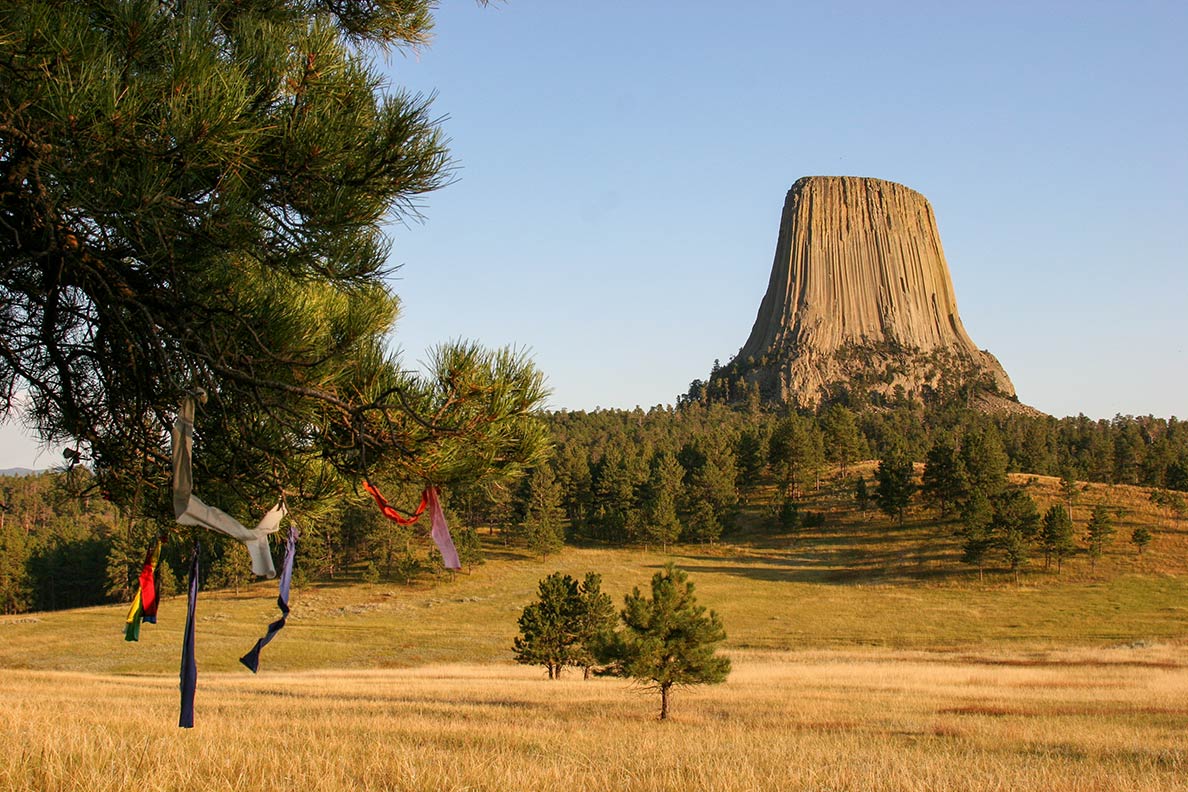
point(252, 658)
point(391, 512)
point(189, 510)
point(441, 531)
point(144, 604)
point(189, 666)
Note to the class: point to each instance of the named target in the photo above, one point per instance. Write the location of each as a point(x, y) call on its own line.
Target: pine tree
point(668, 640)
point(196, 195)
point(567, 625)
point(544, 519)
point(1068, 490)
point(862, 495)
point(943, 482)
point(1100, 532)
point(470, 549)
point(1140, 537)
point(796, 450)
point(983, 460)
point(1057, 535)
point(842, 438)
point(550, 627)
point(659, 500)
point(895, 486)
point(977, 540)
point(1014, 526)
point(596, 622)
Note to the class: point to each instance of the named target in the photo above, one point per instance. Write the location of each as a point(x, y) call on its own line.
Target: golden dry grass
point(858, 720)
point(866, 658)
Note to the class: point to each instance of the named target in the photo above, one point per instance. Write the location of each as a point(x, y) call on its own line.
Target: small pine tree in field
point(470, 549)
point(862, 495)
point(668, 640)
point(1014, 526)
point(977, 539)
point(544, 519)
point(595, 622)
point(1056, 536)
point(1141, 537)
point(549, 627)
point(1101, 533)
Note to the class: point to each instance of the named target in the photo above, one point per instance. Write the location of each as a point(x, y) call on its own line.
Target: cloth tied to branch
point(440, 530)
point(144, 604)
point(189, 510)
point(252, 658)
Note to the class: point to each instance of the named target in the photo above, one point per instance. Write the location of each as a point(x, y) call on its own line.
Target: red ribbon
point(390, 512)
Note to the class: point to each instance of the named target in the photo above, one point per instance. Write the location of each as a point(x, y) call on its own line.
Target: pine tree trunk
point(664, 701)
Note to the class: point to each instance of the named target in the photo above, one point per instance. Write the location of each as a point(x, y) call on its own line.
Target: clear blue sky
point(622, 166)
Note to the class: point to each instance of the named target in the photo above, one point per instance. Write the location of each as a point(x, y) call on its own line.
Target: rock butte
point(860, 300)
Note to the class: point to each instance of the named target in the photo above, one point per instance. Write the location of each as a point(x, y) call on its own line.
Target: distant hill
point(18, 471)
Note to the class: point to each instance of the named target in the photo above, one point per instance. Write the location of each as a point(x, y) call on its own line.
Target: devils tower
point(860, 305)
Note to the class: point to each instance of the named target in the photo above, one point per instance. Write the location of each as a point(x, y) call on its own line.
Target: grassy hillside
point(866, 657)
point(853, 582)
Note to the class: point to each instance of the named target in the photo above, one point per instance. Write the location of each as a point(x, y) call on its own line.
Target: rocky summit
point(860, 307)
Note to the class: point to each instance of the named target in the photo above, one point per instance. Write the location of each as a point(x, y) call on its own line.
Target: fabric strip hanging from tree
point(390, 512)
point(440, 530)
point(252, 658)
point(189, 665)
point(189, 510)
point(144, 604)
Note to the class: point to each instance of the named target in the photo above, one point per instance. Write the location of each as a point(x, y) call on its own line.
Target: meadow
point(859, 720)
point(865, 658)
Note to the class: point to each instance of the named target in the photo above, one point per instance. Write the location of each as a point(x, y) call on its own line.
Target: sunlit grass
point(859, 720)
point(866, 658)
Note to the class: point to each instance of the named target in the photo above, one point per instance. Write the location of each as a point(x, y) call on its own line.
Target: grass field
point(862, 720)
point(866, 658)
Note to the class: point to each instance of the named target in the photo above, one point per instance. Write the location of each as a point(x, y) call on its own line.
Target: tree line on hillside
point(626, 477)
point(665, 475)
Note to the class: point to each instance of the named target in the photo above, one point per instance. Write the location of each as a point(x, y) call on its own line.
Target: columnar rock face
point(860, 301)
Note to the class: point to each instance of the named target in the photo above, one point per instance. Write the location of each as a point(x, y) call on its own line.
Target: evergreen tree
point(1068, 490)
point(469, 547)
point(752, 456)
point(895, 485)
point(796, 451)
point(550, 627)
point(544, 519)
point(713, 482)
point(668, 640)
point(1056, 537)
point(1014, 526)
point(660, 492)
point(596, 622)
point(977, 539)
point(702, 524)
point(15, 586)
point(1100, 532)
point(943, 483)
point(862, 495)
point(842, 439)
point(195, 195)
point(1176, 477)
point(614, 497)
point(983, 460)
point(1140, 537)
